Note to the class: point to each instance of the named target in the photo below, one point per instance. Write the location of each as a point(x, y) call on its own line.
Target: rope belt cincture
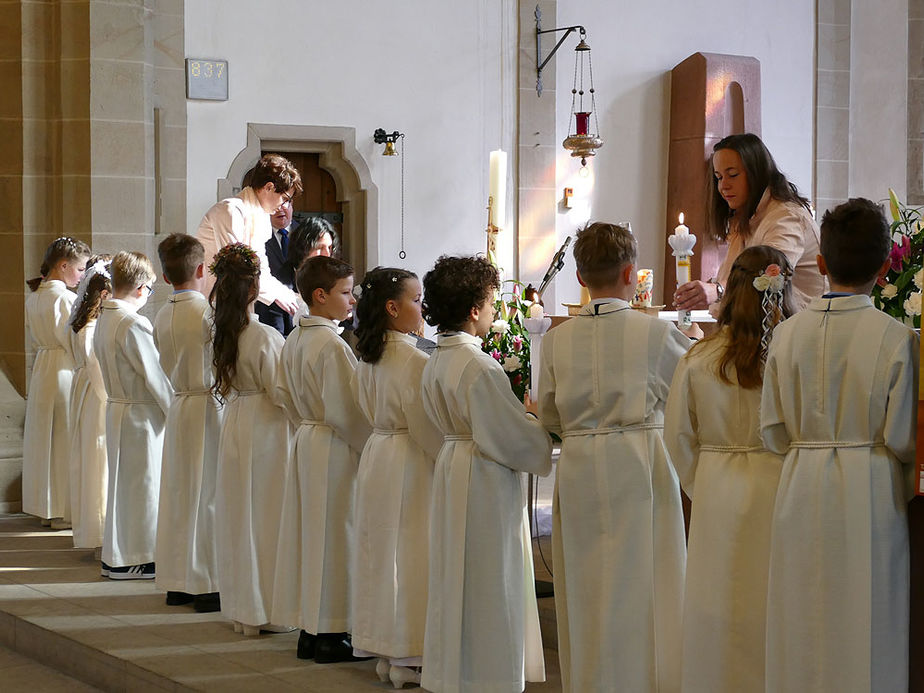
point(313, 422)
point(459, 437)
point(612, 429)
point(732, 448)
point(391, 431)
point(826, 444)
point(123, 400)
point(191, 393)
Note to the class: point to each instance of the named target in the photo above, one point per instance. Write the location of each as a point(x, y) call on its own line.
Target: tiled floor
point(120, 636)
point(20, 674)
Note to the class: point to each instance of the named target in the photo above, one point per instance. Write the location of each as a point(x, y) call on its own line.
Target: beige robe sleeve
point(785, 231)
point(676, 344)
point(419, 424)
point(341, 411)
point(502, 429)
point(548, 412)
point(900, 429)
point(772, 427)
point(681, 427)
point(141, 352)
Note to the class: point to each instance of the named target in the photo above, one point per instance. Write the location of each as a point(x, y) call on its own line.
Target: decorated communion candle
point(497, 187)
point(683, 261)
point(644, 288)
point(536, 311)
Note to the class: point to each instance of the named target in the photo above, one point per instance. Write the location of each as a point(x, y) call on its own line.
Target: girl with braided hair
point(46, 442)
point(253, 445)
point(88, 465)
point(712, 431)
point(394, 478)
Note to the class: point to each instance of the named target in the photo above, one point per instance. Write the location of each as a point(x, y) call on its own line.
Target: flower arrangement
point(899, 292)
point(508, 340)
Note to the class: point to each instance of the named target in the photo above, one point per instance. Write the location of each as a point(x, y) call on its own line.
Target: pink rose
point(772, 271)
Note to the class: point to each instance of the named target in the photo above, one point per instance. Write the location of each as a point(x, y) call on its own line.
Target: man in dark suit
point(276, 252)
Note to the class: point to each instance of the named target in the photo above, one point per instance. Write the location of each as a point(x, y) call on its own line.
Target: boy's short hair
point(129, 270)
point(275, 169)
point(180, 254)
point(855, 241)
point(454, 286)
point(320, 272)
point(602, 250)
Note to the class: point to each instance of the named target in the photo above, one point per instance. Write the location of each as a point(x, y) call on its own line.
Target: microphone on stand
point(558, 262)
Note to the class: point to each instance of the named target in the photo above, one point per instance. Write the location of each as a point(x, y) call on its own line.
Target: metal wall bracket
point(539, 32)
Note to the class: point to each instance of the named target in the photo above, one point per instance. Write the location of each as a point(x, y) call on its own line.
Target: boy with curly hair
point(482, 629)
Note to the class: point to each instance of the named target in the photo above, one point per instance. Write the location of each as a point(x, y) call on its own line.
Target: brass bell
point(390, 149)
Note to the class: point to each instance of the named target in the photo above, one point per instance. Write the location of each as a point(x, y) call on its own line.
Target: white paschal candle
point(683, 261)
point(497, 187)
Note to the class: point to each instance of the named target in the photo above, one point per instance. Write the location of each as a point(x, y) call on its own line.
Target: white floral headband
point(98, 267)
point(770, 283)
point(366, 286)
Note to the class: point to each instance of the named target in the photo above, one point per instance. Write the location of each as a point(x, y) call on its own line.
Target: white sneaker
point(144, 571)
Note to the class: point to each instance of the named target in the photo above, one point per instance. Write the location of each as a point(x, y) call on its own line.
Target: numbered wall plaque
point(206, 79)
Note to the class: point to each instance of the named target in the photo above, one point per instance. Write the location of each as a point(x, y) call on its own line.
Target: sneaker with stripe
point(144, 571)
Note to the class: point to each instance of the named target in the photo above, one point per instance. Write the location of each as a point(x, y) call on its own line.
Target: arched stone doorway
point(337, 154)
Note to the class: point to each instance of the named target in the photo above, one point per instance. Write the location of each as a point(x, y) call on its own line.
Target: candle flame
point(680, 218)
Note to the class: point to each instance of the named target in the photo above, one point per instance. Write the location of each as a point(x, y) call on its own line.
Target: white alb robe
point(185, 553)
point(712, 431)
point(393, 503)
point(838, 400)
point(89, 467)
point(252, 458)
point(46, 437)
point(482, 633)
point(617, 521)
point(314, 562)
point(139, 396)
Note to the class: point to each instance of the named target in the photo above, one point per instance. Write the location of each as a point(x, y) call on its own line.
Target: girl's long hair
point(379, 286)
point(762, 174)
point(90, 292)
point(741, 315)
point(64, 248)
point(237, 271)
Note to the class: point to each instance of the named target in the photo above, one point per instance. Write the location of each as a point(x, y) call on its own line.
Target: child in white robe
point(395, 476)
point(187, 566)
point(712, 431)
point(617, 521)
point(46, 435)
point(253, 446)
point(139, 396)
point(89, 470)
point(314, 564)
point(482, 632)
point(838, 401)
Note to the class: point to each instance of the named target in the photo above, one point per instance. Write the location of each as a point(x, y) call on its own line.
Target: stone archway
point(336, 147)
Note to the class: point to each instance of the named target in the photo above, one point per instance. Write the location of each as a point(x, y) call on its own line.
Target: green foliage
point(899, 292)
point(508, 340)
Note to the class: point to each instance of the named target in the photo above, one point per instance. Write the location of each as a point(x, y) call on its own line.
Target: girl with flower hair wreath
point(254, 442)
point(394, 477)
point(712, 431)
point(47, 439)
point(89, 472)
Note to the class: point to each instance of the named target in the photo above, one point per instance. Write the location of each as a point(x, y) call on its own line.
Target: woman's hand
point(695, 295)
point(531, 407)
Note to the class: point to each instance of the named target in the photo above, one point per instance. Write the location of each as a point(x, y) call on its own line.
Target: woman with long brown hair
point(712, 430)
point(752, 203)
point(254, 442)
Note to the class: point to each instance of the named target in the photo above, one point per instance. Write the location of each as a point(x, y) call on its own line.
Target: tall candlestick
point(682, 242)
point(497, 188)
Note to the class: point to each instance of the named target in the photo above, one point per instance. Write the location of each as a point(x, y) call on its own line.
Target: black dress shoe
point(306, 642)
point(207, 603)
point(334, 647)
point(178, 598)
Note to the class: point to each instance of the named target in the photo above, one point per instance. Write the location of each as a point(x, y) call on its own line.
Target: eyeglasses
point(149, 287)
point(287, 198)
